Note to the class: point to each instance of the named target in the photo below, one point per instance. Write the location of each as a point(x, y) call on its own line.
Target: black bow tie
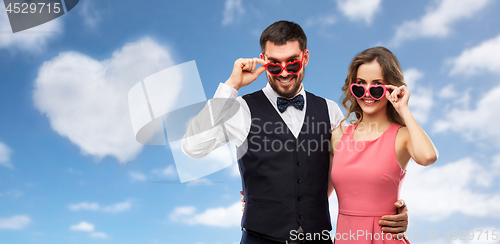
point(297, 102)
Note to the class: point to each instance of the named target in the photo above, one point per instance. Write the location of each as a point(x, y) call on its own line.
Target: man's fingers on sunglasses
point(249, 65)
point(245, 64)
point(260, 61)
point(260, 70)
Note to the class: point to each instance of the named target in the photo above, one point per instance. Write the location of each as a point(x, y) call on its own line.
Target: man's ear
point(262, 56)
point(306, 57)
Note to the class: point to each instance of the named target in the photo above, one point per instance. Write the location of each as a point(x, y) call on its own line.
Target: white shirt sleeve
point(335, 113)
point(226, 117)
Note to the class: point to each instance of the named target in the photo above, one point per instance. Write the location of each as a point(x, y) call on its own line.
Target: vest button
point(299, 181)
point(298, 163)
point(300, 216)
point(299, 198)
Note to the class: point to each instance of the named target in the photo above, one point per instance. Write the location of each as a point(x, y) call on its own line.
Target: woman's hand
point(242, 202)
point(399, 97)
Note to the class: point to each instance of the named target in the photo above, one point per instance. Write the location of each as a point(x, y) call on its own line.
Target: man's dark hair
point(281, 32)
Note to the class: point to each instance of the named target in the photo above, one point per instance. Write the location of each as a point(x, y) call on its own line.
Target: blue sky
point(71, 171)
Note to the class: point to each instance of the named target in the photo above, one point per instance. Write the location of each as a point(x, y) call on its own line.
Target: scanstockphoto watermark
point(350, 236)
point(357, 235)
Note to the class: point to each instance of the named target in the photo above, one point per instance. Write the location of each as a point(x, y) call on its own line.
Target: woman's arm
point(419, 145)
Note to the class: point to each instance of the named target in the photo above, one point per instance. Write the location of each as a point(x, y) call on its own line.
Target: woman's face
point(370, 74)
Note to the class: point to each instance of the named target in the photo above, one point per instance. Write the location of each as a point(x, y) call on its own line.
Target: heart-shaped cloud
point(85, 99)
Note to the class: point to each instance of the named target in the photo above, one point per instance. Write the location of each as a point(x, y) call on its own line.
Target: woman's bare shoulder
point(403, 135)
point(338, 132)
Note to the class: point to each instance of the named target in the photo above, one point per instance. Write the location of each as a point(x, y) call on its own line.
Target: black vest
point(285, 179)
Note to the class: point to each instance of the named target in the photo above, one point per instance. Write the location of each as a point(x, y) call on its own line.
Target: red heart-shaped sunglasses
point(291, 67)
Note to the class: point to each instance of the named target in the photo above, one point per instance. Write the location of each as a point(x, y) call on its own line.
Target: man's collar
point(272, 95)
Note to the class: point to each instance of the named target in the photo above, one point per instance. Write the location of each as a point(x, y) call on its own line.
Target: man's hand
point(242, 202)
point(243, 72)
point(396, 224)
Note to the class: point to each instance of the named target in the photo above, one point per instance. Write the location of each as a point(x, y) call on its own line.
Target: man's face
point(285, 84)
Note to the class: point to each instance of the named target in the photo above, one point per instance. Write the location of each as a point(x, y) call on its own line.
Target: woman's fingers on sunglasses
point(395, 94)
point(390, 87)
point(388, 95)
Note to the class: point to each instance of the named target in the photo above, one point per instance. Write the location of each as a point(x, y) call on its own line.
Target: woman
point(370, 156)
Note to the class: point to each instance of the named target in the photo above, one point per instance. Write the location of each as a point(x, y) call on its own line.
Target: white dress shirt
point(223, 127)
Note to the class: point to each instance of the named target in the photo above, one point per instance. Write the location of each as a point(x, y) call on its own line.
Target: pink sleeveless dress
point(367, 178)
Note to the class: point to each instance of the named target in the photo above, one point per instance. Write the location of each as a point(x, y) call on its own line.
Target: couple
point(293, 150)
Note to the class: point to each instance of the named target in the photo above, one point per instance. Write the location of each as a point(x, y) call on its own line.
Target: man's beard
point(273, 81)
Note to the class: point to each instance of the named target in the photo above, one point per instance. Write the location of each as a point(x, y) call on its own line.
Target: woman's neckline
point(356, 125)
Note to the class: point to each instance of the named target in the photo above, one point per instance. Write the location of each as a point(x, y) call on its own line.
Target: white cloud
point(5, 153)
point(478, 59)
point(136, 176)
point(88, 227)
point(438, 20)
point(12, 193)
point(412, 75)
point(92, 206)
point(85, 99)
point(90, 14)
point(101, 235)
point(421, 100)
point(82, 226)
point(17, 222)
point(437, 192)
point(359, 10)
point(219, 217)
point(321, 20)
point(74, 171)
point(167, 172)
point(118, 207)
point(448, 91)
point(34, 39)
point(475, 124)
point(84, 206)
point(322, 23)
point(232, 12)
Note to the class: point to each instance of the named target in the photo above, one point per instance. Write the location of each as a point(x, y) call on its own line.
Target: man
point(283, 137)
